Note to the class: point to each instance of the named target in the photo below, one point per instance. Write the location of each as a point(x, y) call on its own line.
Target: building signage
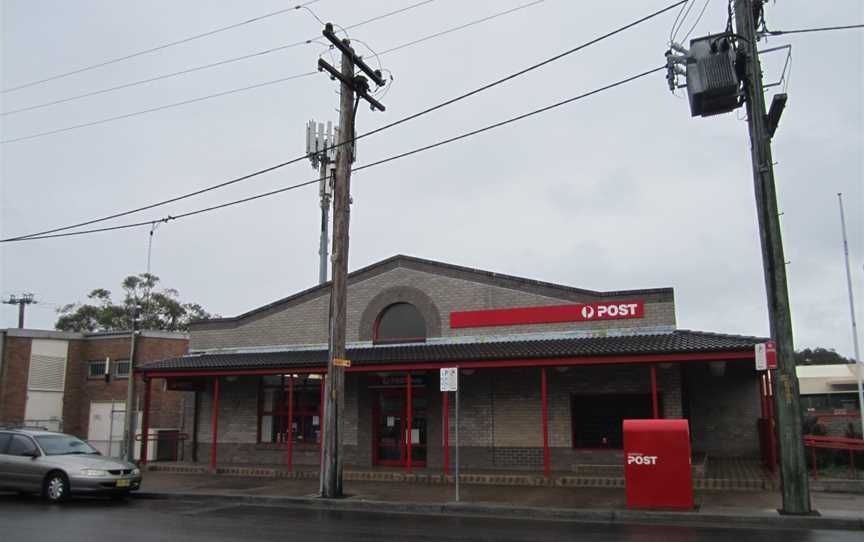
point(178, 384)
point(766, 356)
point(640, 459)
point(449, 379)
point(578, 312)
point(380, 381)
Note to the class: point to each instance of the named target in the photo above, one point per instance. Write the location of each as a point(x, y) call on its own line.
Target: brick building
point(57, 380)
point(547, 373)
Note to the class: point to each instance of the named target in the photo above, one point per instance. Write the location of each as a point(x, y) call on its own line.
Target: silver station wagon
point(56, 465)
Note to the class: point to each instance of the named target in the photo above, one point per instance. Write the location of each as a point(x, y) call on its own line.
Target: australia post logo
point(612, 311)
point(637, 458)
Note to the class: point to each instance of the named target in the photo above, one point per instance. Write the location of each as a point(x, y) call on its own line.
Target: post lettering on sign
point(339, 362)
point(450, 379)
point(640, 459)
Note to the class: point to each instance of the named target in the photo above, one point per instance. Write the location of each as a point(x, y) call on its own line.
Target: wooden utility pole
point(793, 468)
point(334, 391)
point(331, 467)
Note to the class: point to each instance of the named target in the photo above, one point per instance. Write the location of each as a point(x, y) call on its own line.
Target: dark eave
point(678, 345)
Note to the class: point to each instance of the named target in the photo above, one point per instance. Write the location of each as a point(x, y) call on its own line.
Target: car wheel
point(56, 487)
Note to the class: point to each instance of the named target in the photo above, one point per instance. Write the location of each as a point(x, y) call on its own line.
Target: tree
point(819, 356)
point(158, 309)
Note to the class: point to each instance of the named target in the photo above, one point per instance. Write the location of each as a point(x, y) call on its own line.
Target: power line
point(205, 66)
point(268, 51)
point(462, 26)
point(699, 18)
point(361, 136)
point(823, 29)
point(677, 29)
point(158, 48)
point(158, 108)
point(367, 166)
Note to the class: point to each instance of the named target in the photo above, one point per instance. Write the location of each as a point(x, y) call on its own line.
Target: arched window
point(400, 322)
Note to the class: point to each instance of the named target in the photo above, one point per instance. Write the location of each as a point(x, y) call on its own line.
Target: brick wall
point(306, 322)
point(81, 391)
point(13, 380)
point(724, 409)
point(500, 411)
point(238, 429)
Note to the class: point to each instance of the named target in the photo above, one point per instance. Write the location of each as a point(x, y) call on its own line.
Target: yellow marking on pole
point(339, 362)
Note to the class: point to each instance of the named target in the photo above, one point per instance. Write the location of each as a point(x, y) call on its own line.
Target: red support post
point(214, 431)
point(545, 407)
point(290, 422)
point(654, 407)
point(145, 422)
point(410, 417)
point(445, 408)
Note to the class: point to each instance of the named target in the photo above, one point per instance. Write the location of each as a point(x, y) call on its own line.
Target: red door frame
point(376, 421)
point(405, 399)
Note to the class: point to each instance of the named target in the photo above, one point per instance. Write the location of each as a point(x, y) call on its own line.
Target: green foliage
point(819, 356)
point(158, 309)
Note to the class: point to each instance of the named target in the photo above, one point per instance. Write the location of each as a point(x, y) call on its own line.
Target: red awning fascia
point(484, 364)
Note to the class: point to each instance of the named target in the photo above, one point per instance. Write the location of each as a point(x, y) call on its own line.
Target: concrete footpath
point(753, 509)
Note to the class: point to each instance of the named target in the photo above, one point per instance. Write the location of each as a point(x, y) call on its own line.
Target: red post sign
point(580, 312)
point(657, 471)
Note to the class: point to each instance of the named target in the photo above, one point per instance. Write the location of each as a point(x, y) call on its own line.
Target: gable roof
point(436, 268)
point(674, 342)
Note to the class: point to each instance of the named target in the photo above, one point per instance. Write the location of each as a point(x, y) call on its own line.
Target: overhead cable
point(361, 136)
point(265, 52)
point(367, 166)
point(805, 30)
point(158, 108)
point(158, 47)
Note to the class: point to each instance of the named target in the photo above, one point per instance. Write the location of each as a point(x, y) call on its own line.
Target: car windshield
point(64, 445)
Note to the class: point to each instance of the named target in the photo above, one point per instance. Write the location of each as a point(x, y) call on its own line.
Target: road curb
point(764, 519)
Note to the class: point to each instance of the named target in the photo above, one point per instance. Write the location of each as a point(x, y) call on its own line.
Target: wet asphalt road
point(28, 519)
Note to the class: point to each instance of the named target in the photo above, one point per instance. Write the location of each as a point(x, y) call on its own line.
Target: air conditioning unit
point(712, 82)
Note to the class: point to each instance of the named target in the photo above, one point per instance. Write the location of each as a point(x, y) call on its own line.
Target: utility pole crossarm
point(345, 47)
point(22, 301)
point(358, 84)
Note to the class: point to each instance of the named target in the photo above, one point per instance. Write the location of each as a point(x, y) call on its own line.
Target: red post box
point(657, 471)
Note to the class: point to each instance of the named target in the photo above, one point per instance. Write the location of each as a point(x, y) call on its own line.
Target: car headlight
point(136, 472)
point(94, 472)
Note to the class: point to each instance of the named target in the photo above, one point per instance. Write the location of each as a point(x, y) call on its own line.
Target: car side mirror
point(32, 454)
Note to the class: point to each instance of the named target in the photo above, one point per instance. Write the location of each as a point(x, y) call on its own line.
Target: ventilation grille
point(47, 373)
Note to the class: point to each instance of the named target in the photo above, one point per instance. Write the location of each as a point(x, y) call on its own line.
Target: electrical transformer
point(712, 82)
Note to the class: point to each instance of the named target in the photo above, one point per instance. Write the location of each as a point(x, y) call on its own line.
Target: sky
point(621, 190)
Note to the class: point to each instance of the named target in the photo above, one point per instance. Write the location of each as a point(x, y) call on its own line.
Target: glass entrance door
point(391, 434)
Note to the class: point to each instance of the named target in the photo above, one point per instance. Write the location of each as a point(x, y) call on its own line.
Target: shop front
point(547, 375)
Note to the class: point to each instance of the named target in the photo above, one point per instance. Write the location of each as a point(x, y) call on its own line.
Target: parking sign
point(449, 379)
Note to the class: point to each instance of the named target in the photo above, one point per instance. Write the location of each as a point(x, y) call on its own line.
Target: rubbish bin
point(657, 472)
